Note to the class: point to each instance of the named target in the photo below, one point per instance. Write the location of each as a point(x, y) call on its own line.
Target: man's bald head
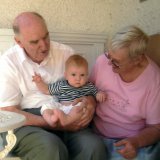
point(26, 19)
point(32, 35)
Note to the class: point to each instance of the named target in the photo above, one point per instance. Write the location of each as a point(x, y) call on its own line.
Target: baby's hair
point(76, 60)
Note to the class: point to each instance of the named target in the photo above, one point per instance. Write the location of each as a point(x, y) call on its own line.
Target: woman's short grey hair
point(133, 38)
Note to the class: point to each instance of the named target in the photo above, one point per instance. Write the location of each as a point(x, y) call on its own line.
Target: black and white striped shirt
point(64, 92)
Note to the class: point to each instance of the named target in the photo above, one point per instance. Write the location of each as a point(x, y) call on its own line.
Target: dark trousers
point(35, 143)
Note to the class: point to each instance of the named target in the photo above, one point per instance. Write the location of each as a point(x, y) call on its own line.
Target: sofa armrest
point(153, 49)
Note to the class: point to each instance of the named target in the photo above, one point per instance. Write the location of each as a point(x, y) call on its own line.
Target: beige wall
point(94, 16)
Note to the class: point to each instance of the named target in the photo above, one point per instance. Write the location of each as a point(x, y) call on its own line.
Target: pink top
point(130, 106)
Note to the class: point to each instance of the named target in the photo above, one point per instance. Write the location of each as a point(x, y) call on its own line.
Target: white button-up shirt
point(16, 71)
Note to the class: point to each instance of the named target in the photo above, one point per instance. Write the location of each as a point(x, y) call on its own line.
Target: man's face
point(35, 41)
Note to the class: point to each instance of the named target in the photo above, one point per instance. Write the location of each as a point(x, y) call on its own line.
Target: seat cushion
point(153, 49)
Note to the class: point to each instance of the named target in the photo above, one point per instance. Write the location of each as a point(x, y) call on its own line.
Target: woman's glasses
point(116, 64)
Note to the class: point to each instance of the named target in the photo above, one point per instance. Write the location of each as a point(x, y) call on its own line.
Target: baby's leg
point(51, 117)
point(69, 114)
point(47, 111)
point(62, 117)
point(67, 108)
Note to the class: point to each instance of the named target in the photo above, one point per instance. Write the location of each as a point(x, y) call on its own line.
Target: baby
point(75, 85)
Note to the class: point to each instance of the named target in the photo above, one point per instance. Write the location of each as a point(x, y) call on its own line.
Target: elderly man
point(35, 53)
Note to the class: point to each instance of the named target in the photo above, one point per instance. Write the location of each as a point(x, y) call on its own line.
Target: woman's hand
point(127, 147)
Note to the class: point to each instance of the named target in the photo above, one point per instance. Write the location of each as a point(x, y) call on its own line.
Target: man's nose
point(43, 44)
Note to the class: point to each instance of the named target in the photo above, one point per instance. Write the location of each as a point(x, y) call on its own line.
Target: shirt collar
point(21, 52)
point(23, 57)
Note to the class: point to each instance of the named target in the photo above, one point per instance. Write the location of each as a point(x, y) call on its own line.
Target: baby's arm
point(42, 86)
point(101, 96)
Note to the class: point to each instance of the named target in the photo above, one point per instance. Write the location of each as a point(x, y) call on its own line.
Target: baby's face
point(77, 76)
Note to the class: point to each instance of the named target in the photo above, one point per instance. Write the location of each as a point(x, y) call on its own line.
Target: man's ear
point(18, 41)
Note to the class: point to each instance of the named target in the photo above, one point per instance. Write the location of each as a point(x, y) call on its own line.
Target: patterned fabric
point(64, 92)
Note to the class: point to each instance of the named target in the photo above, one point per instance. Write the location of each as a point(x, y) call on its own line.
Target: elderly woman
point(129, 121)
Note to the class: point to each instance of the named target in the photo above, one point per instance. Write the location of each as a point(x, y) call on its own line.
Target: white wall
point(94, 16)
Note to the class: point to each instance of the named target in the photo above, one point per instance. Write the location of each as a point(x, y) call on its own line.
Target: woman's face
point(120, 60)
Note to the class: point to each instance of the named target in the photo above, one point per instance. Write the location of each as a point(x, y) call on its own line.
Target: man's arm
point(31, 119)
point(86, 112)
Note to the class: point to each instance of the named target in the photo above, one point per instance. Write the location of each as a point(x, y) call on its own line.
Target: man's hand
point(88, 111)
point(85, 111)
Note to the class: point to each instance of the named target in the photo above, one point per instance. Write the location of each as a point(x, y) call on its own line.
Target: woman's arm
point(146, 137)
point(149, 135)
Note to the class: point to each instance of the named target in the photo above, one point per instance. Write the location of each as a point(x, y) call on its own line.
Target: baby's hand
point(36, 78)
point(41, 85)
point(101, 96)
